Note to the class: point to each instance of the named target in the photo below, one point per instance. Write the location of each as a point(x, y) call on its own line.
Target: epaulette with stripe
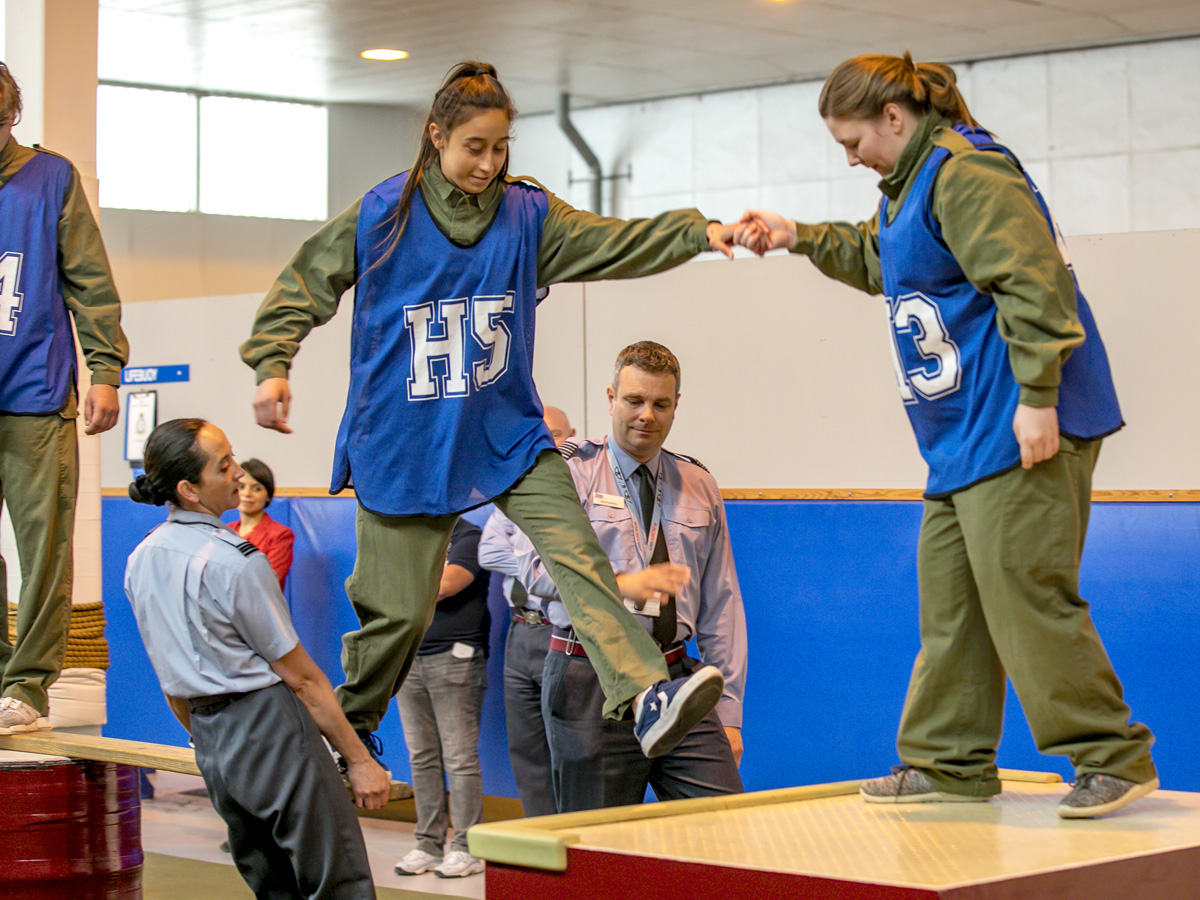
point(568, 448)
point(246, 548)
point(691, 459)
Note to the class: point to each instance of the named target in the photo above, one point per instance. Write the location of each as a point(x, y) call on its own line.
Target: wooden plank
point(115, 750)
point(132, 753)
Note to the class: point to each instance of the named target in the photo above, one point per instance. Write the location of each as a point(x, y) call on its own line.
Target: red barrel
point(70, 830)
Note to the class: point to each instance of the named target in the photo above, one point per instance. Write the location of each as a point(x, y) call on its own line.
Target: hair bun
point(142, 491)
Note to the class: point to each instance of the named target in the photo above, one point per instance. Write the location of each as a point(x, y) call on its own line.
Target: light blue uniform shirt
point(497, 555)
point(208, 607)
point(693, 524)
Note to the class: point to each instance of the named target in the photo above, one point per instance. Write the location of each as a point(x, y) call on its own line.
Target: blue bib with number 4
point(951, 362)
point(37, 347)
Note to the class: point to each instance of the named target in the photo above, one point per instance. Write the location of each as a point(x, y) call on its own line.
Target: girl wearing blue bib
point(449, 261)
point(1007, 385)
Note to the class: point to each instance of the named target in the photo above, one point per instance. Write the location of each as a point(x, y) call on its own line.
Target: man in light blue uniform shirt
point(525, 651)
point(661, 521)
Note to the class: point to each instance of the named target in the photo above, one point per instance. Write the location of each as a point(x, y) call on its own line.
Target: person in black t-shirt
point(441, 703)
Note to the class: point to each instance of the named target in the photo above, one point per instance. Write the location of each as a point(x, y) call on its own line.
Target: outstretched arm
point(847, 252)
point(578, 245)
point(305, 295)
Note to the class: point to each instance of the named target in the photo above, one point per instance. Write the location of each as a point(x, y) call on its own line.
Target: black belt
point(213, 702)
point(529, 617)
point(565, 642)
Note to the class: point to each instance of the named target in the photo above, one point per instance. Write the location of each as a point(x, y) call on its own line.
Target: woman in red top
point(273, 539)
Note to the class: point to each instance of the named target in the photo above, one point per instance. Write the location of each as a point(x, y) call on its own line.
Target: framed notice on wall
point(141, 415)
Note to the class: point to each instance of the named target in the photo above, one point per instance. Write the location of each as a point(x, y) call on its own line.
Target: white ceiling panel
point(601, 51)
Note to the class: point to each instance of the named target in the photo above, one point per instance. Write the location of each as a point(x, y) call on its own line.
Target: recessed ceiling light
point(388, 55)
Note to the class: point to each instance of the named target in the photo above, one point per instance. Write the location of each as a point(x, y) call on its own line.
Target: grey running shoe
point(909, 785)
point(417, 862)
point(17, 717)
point(459, 864)
point(1097, 795)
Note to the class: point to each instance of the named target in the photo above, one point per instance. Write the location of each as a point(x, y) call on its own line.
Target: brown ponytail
point(861, 87)
point(469, 88)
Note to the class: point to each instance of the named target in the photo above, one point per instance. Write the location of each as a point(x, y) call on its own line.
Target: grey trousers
point(292, 828)
point(598, 762)
point(525, 652)
point(441, 704)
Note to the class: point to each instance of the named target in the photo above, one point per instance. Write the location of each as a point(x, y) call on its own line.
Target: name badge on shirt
point(599, 499)
point(650, 608)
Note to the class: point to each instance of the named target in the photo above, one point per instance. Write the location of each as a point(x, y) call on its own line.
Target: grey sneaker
point(909, 785)
point(417, 862)
point(1096, 795)
point(17, 717)
point(459, 864)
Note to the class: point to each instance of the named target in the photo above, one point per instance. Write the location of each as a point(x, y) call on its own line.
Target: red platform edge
point(601, 875)
point(607, 875)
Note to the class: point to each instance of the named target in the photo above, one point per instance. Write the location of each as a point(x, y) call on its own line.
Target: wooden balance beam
point(131, 753)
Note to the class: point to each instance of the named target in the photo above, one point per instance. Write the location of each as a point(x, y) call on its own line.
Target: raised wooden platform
point(133, 753)
point(825, 843)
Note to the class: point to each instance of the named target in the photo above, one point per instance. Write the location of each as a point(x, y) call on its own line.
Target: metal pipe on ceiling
point(562, 113)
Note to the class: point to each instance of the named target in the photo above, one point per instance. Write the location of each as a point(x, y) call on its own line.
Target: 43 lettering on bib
point(10, 297)
point(458, 344)
point(927, 362)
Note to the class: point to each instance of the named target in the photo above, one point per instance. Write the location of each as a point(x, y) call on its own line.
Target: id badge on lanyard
point(643, 542)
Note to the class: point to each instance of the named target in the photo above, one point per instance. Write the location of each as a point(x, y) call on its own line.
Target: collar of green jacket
point(462, 217)
point(896, 185)
point(12, 157)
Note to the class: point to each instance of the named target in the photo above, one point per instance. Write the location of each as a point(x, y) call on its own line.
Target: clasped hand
point(758, 231)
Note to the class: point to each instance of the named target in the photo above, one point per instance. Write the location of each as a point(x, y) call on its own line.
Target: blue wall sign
point(154, 374)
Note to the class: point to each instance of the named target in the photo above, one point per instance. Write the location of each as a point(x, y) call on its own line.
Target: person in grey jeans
point(441, 703)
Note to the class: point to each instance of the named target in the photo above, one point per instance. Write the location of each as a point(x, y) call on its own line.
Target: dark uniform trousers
point(292, 832)
point(525, 652)
point(598, 762)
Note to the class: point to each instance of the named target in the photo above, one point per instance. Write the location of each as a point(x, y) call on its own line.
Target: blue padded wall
point(831, 605)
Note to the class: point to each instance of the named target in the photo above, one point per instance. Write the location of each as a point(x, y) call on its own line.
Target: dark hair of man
point(172, 455)
point(261, 472)
point(649, 357)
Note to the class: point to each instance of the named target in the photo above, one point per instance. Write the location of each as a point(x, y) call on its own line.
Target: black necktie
point(665, 625)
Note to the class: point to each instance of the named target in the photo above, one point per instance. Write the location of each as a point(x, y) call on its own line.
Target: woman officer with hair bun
point(219, 636)
point(1007, 385)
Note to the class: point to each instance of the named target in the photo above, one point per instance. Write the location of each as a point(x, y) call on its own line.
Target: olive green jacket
point(993, 225)
point(85, 276)
point(575, 246)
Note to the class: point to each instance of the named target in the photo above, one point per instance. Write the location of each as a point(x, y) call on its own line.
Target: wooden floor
point(1013, 846)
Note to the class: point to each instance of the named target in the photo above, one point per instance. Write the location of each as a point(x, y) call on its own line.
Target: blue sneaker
point(671, 709)
point(374, 746)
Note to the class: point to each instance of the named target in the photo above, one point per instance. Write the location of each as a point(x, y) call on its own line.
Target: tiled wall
point(1111, 135)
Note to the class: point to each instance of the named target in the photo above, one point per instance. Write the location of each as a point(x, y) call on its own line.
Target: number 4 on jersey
point(916, 318)
point(10, 297)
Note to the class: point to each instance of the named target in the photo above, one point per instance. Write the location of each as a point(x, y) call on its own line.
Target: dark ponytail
point(469, 89)
point(861, 87)
point(172, 455)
